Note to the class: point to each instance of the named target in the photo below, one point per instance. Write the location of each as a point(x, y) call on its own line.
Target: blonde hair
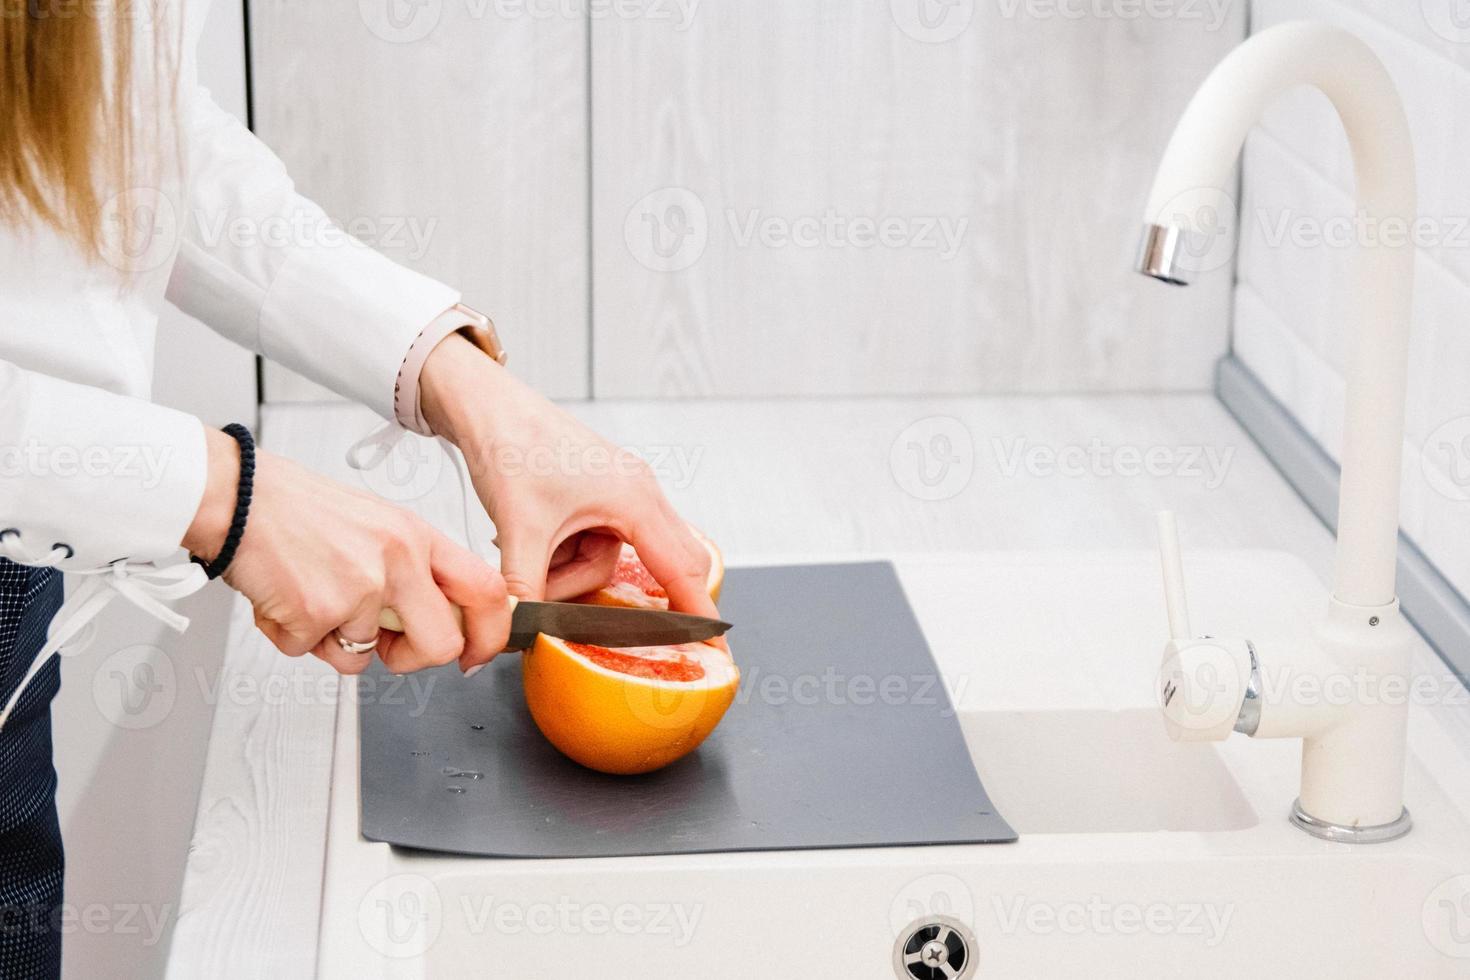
point(67, 124)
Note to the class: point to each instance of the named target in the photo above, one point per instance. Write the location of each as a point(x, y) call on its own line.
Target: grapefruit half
point(630, 710)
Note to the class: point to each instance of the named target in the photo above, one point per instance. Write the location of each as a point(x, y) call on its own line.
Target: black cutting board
point(842, 735)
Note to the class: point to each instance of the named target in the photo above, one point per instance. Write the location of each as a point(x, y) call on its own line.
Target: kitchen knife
point(604, 626)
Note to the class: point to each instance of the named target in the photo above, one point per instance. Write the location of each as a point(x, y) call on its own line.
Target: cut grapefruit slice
point(636, 709)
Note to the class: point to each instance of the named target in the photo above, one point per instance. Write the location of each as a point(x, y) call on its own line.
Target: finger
point(585, 567)
point(293, 641)
point(525, 554)
point(330, 652)
point(466, 580)
point(677, 562)
point(566, 551)
point(431, 635)
point(361, 626)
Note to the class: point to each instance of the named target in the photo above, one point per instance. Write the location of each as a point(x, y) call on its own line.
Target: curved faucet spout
point(1197, 166)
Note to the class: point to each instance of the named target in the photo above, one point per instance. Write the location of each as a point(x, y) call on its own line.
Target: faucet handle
point(1173, 565)
point(1202, 683)
point(1202, 687)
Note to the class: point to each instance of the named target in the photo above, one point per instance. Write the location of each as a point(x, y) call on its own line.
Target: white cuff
point(105, 475)
point(344, 315)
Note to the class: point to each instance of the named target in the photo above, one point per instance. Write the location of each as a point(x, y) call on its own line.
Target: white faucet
point(1353, 728)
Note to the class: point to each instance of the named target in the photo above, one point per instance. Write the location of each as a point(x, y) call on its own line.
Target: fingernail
point(474, 670)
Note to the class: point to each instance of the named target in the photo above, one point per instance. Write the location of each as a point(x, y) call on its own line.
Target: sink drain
point(936, 948)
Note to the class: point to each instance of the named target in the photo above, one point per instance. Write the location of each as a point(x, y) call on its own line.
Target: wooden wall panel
point(890, 196)
point(463, 124)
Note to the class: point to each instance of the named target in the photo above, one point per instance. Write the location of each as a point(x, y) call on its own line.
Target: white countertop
point(834, 478)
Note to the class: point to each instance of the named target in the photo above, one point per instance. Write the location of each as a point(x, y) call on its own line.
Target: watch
point(469, 323)
point(479, 329)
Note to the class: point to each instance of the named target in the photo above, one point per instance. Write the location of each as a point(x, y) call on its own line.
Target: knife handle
point(388, 618)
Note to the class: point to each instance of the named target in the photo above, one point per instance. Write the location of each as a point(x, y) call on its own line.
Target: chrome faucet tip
point(1159, 254)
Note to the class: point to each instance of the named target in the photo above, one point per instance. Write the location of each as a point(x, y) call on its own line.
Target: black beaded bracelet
point(214, 569)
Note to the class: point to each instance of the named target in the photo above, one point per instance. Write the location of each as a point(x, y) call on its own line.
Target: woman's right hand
point(318, 557)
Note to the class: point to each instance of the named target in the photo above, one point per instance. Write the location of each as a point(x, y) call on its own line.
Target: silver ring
point(355, 647)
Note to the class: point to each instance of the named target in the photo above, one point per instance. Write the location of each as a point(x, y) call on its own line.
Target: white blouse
point(86, 461)
point(96, 479)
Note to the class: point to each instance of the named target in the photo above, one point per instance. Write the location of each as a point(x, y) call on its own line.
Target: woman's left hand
point(563, 499)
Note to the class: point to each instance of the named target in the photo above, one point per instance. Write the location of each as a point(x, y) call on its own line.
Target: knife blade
point(605, 626)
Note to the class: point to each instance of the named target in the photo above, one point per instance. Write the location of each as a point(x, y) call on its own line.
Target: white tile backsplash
point(1289, 300)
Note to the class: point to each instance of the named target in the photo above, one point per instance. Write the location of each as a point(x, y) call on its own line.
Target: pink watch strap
point(459, 318)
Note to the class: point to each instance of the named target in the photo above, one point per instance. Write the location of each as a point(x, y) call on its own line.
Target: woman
point(112, 161)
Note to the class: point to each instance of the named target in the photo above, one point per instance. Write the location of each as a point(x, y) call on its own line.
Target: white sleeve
point(104, 475)
point(266, 267)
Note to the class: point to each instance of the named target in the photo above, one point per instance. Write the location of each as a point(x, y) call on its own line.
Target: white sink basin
point(1057, 772)
point(1138, 857)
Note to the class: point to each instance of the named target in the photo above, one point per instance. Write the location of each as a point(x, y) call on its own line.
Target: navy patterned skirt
point(30, 837)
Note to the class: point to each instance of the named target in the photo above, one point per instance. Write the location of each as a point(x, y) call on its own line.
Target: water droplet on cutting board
point(454, 789)
point(478, 728)
point(454, 773)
